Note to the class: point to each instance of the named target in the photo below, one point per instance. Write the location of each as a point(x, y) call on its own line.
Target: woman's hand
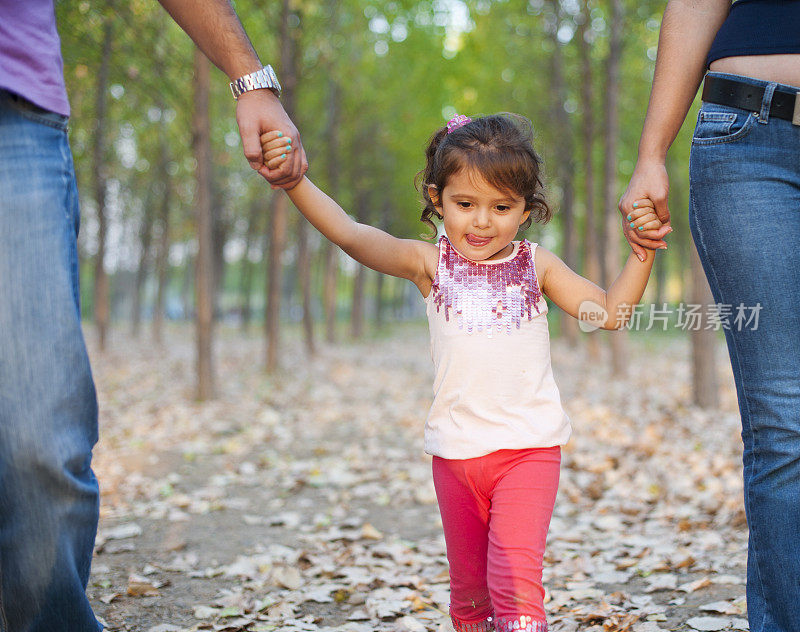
point(649, 185)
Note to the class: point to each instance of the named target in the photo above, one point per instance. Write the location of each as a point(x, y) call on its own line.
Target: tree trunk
point(330, 281)
point(277, 239)
point(163, 243)
point(386, 213)
point(303, 255)
point(564, 164)
point(661, 279)
point(332, 164)
point(204, 270)
point(357, 306)
point(162, 262)
point(613, 222)
point(304, 274)
point(592, 267)
point(246, 279)
point(219, 237)
point(277, 227)
point(186, 288)
point(145, 240)
point(379, 303)
point(357, 310)
point(705, 388)
point(101, 291)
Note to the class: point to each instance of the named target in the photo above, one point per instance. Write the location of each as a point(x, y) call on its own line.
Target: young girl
point(496, 424)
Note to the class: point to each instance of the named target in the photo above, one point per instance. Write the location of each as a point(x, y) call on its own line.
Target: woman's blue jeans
point(49, 496)
point(745, 219)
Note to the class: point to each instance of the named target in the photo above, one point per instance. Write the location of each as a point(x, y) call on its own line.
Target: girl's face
point(479, 220)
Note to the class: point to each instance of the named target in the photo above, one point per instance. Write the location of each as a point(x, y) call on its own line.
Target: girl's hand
point(643, 220)
point(275, 147)
point(648, 182)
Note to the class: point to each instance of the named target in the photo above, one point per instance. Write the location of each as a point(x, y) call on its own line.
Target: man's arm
point(687, 32)
point(214, 26)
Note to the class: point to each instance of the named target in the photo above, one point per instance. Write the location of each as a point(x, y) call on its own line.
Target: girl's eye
point(464, 204)
point(502, 208)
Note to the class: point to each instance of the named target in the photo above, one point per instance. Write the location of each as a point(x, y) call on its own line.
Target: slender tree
point(303, 254)
point(246, 278)
point(331, 264)
point(565, 161)
point(162, 257)
point(145, 242)
point(592, 268)
point(102, 309)
point(204, 266)
point(705, 386)
point(357, 304)
point(280, 208)
point(611, 198)
point(277, 242)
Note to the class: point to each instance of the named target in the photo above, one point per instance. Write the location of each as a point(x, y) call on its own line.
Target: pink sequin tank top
point(490, 344)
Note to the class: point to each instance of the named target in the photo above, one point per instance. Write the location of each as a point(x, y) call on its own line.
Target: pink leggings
point(496, 510)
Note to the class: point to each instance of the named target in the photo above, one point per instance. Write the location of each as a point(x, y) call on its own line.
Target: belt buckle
point(796, 115)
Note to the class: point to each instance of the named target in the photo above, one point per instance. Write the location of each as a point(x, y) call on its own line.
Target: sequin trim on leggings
point(474, 626)
point(522, 622)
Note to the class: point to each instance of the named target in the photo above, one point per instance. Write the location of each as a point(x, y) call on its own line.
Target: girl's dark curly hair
point(499, 148)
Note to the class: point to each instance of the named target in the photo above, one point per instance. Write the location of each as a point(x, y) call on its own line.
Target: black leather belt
point(745, 96)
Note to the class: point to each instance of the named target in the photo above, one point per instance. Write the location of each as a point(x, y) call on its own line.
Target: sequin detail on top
point(523, 622)
point(486, 296)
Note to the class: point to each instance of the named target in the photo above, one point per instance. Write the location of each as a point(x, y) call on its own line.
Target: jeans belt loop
point(766, 102)
point(796, 115)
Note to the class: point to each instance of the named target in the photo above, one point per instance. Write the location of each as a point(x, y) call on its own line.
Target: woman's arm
point(687, 32)
point(584, 300)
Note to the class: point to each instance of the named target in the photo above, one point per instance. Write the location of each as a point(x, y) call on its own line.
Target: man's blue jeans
point(745, 219)
point(49, 496)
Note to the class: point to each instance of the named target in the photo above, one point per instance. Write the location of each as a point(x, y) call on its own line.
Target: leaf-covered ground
point(303, 501)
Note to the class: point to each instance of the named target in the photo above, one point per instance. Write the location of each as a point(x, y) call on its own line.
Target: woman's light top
point(493, 385)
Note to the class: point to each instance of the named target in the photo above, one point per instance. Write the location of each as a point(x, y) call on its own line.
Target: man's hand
point(648, 182)
point(259, 111)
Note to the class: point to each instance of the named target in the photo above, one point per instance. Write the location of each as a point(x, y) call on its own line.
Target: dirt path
point(304, 501)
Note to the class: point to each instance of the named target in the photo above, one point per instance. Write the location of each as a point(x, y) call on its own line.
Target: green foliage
point(402, 68)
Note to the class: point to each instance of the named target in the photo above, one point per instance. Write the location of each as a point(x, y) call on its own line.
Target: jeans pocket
point(33, 112)
point(720, 124)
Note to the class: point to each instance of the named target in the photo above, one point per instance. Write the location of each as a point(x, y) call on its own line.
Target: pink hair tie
point(459, 120)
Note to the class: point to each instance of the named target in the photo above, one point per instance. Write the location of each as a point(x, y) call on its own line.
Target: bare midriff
point(779, 68)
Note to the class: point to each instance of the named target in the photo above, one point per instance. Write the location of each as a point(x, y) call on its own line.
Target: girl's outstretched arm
point(406, 258)
point(586, 301)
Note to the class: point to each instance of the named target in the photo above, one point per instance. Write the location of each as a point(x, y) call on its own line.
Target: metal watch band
point(263, 78)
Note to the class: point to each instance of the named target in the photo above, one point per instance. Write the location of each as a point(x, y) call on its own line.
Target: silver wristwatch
point(264, 78)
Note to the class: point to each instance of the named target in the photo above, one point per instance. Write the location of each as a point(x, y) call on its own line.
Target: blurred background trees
point(176, 227)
